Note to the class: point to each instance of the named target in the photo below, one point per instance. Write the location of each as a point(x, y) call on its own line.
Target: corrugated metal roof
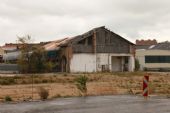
point(162, 46)
point(55, 45)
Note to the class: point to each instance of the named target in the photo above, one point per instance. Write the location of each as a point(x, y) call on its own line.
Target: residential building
point(155, 58)
point(1, 54)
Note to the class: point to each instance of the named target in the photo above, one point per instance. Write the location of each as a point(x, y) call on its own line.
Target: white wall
point(11, 55)
point(83, 63)
point(93, 62)
point(103, 59)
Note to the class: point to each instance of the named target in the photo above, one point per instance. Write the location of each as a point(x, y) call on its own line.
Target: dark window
point(82, 42)
point(90, 41)
point(86, 41)
point(157, 59)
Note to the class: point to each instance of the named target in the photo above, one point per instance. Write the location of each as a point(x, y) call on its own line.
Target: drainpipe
point(108, 66)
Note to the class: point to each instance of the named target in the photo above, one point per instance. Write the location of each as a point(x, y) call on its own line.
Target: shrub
point(8, 99)
point(65, 74)
point(32, 59)
point(44, 81)
point(49, 66)
point(36, 81)
point(7, 81)
point(81, 83)
point(11, 80)
point(43, 93)
point(137, 65)
point(23, 82)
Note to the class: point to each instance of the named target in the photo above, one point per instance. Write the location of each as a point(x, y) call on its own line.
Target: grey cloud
point(52, 19)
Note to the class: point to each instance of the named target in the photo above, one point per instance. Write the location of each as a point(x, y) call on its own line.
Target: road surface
point(99, 104)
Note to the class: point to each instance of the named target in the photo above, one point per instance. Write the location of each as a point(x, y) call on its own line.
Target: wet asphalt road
point(99, 104)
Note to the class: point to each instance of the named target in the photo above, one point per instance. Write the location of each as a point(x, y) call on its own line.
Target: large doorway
point(116, 63)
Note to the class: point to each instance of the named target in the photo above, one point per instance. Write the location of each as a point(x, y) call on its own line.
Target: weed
point(81, 83)
point(43, 93)
point(8, 99)
point(44, 81)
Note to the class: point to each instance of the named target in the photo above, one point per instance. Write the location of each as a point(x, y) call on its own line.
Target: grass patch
point(8, 99)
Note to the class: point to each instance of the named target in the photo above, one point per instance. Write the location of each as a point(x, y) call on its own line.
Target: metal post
point(85, 68)
point(32, 87)
point(146, 86)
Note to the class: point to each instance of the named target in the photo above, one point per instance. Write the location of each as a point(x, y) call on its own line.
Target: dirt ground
point(63, 85)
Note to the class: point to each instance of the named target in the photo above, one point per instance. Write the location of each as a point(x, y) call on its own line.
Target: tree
point(137, 65)
point(33, 59)
point(24, 59)
point(38, 60)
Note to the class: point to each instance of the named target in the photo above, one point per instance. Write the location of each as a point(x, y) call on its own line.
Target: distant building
point(13, 50)
point(145, 44)
point(10, 51)
point(10, 47)
point(155, 57)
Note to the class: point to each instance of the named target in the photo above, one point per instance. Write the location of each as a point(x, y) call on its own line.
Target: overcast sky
point(48, 20)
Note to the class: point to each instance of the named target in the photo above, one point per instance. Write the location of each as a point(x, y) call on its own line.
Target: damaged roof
point(82, 36)
point(55, 45)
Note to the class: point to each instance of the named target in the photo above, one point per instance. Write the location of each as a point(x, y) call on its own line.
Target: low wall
point(8, 68)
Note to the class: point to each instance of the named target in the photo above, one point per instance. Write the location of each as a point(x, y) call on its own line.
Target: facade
point(11, 56)
point(145, 44)
point(94, 51)
point(1, 55)
point(156, 57)
point(101, 62)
